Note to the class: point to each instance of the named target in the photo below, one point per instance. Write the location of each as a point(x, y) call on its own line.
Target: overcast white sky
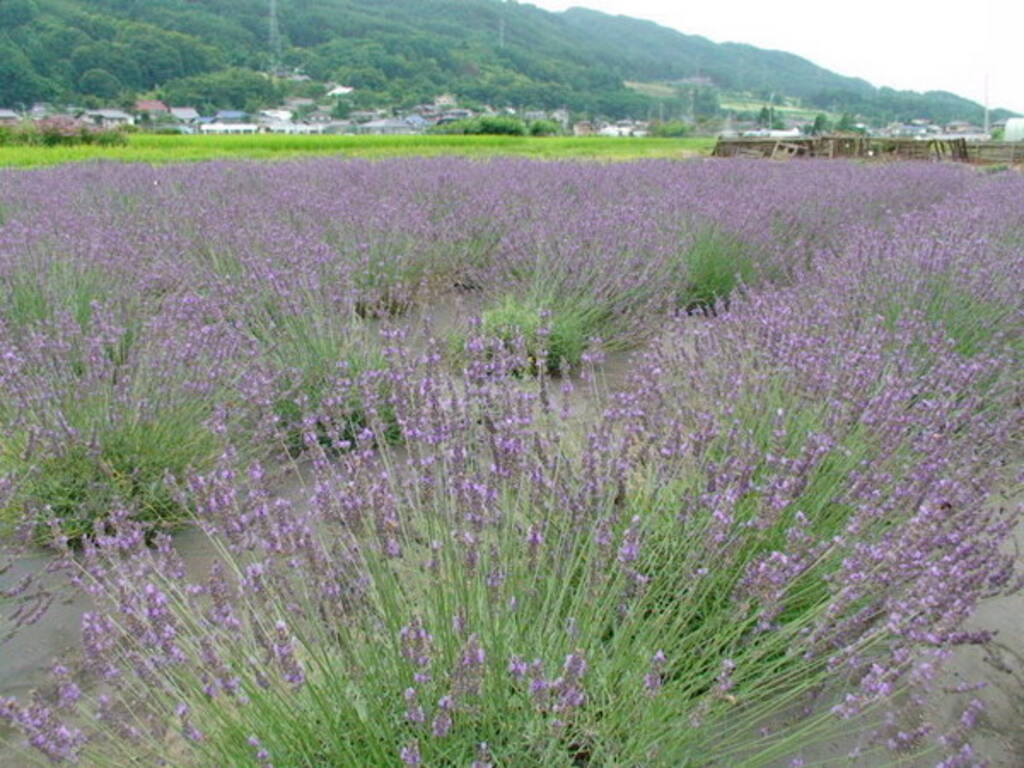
point(919, 45)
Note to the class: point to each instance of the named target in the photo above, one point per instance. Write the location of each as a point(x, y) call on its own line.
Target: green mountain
point(211, 53)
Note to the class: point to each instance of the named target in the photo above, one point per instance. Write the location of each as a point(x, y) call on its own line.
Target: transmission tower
point(275, 39)
point(501, 24)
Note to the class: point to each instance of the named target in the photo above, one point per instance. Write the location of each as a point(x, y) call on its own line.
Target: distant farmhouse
point(185, 114)
point(108, 118)
point(151, 108)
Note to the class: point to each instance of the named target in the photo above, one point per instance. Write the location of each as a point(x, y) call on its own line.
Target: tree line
point(216, 53)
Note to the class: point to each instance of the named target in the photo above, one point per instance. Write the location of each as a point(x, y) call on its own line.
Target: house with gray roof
point(231, 116)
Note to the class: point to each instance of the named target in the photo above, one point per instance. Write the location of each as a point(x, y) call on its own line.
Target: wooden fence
point(997, 152)
point(872, 148)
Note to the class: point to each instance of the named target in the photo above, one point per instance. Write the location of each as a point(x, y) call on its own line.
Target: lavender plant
point(561, 607)
point(87, 418)
point(775, 530)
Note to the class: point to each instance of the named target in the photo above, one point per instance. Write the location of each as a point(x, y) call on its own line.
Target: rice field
point(163, 149)
point(504, 463)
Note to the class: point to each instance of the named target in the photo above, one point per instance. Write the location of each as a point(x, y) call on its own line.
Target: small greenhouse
point(1014, 129)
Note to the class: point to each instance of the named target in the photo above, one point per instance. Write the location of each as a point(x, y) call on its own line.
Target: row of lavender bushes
point(152, 314)
point(778, 525)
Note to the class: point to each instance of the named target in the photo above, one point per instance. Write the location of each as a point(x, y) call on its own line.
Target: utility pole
point(989, 27)
point(987, 119)
point(275, 39)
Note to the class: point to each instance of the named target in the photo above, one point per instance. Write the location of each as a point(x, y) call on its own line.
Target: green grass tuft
point(714, 265)
point(36, 295)
point(125, 463)
point(556, 334)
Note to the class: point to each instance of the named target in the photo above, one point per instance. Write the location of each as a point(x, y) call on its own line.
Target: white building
point(764, 133)
point(291, 128)
point(277, 115)
point(226, 128)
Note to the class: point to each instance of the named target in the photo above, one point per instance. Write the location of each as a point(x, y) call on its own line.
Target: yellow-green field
point(171, 149)
point(795, 113)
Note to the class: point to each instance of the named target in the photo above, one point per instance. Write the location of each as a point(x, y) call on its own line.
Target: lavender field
point(507, 463)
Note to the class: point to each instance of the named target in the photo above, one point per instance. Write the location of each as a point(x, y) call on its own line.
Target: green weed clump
point(552, 336)
point(119, 465)
point(711, 269)
point(39, 294)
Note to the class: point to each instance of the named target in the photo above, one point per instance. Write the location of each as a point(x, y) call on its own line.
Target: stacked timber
point(871, 148)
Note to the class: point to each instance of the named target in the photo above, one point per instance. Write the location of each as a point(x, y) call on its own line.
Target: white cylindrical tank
point(1014, 129)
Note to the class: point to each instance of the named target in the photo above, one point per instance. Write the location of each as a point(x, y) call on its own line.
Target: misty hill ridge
point(401, 52)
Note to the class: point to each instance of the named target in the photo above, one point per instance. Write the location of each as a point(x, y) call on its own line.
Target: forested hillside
point(400, 52)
